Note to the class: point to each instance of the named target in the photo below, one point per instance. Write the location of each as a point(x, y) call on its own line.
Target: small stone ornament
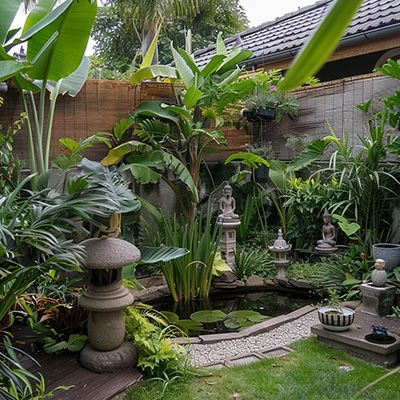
point(280, 250)
point(327, 245)
point(227, 205)
point(379, 275)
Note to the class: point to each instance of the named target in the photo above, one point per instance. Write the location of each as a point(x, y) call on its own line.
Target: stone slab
point(277, 352)
point(353, 339)
point(244, 359)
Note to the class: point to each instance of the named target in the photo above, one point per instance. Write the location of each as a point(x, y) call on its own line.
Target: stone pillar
point(227, 243)
point(377, 300)
point(106, 299)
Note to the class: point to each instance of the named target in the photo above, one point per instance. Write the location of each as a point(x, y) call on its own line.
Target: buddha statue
point(227, 205)
point(328, 242)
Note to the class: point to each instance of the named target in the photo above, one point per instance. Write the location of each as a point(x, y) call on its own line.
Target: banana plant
point(56, 36)
point(176, 136)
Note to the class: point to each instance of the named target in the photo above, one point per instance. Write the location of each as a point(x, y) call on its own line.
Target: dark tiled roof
point(283, 37)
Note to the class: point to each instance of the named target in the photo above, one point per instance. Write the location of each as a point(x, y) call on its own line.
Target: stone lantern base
point(125, 356)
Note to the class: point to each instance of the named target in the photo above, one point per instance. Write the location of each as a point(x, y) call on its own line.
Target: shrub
point(253, 261)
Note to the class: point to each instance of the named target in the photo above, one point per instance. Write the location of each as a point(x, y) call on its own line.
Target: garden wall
point(334, 102)
point(98, 106)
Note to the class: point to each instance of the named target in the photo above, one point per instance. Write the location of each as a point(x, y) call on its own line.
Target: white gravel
point(201, 354)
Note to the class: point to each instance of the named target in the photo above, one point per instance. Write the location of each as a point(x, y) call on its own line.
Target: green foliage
point(321, 44)
point(253, 261)
point(51, 30)
point(17, 383)
point(157, 356)
point(208, 316)
point(117, 43)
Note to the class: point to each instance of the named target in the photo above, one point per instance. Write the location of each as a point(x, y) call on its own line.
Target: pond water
point(266, 303)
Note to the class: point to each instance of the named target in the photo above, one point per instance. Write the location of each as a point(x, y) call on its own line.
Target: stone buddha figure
point(227, 205)
point(328, 242)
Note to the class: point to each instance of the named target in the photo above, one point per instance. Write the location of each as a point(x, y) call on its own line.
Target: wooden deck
point(65, 370)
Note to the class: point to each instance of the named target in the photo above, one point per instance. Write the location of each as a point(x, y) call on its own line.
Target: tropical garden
point(51, 204)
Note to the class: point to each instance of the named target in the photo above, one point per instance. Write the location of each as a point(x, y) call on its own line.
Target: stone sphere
point(379, 277)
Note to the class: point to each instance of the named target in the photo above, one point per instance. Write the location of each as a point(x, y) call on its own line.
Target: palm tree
point(145, 17)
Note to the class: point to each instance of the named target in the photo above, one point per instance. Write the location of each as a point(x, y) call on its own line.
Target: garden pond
point(230, 312)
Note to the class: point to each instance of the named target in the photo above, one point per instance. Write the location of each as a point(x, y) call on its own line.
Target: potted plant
point(265, 151)
point(390, 252)
point(269, 105)
point(333, 316)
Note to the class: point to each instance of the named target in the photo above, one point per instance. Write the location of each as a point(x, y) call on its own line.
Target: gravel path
point(201, 354)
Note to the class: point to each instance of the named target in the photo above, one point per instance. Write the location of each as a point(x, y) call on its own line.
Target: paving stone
point(255, 281)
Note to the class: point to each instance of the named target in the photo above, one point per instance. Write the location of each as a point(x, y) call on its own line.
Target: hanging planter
point(260, 113)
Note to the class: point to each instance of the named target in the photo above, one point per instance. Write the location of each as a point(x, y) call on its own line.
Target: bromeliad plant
point(56, 36)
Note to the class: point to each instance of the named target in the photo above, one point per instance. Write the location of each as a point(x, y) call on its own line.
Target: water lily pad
point(208, 316)
point(188, 325)
point(243, 314)
point(259, 318)
point(232, 324)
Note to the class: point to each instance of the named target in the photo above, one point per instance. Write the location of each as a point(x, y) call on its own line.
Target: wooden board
point(65, 370)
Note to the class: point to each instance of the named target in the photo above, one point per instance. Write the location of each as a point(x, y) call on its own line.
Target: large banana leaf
point(181, 171)
point(142, 173)
point(321, 45)
point(148, 57)
point(152, 255)
point(184, 71)
point(249, 159)
point(155, 109)
point(42, 8)
point(236, 57)
point(116, 154)
point(69, 26)
point(151, 72)
point(8, 11)
point(9, 68)
point(74, 82)
point(313, 152)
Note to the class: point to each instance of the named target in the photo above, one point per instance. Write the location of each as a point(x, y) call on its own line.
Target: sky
point(258, 12)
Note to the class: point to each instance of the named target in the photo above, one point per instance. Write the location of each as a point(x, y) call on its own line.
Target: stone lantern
point(280, 250)
point(106, 299)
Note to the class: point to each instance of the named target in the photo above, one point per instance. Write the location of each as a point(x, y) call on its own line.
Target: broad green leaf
point(116, 154)
point(220, 45)
point(142, 173)
point(170, 316)
point(73, 27)
point(313, 152)
point(279, 174)
point(184, 71)
point(231, 77)
point(122, 126)
point(155, 109)
point(69, 144)
point(390, 68)
point(233, 60)
point(220, 265)
point(189, 61)
point(243, 314)
point(214, 63)
point(185, 114)
point(10, 68)
point(153, 255)
point(151, 72)
point(76, 342)
point(74, 82)
point(154, 159)
point(8, 11)
point(321, 45)
point(208, 316)
point(181, 171)
point(41, 10)
point(249, 159)
point(192, 96)
point(148, 57)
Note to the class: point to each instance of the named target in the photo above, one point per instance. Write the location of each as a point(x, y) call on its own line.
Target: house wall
point(332, 103)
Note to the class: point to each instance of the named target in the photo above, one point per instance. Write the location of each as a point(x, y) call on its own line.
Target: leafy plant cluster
point(157, 355)
point(251, 260)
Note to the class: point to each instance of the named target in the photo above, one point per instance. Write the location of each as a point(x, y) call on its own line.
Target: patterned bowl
point(336, 319)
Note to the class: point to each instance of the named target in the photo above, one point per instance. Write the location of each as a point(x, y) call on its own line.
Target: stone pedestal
point(227, 242)
point(377, 300)
point(106, 299)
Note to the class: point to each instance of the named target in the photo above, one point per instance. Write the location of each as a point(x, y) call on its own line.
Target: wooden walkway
point(65, 370)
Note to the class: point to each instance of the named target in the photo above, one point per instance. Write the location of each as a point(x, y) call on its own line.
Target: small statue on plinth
point(379, 275)
point(327, 244)
point(227, 205)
